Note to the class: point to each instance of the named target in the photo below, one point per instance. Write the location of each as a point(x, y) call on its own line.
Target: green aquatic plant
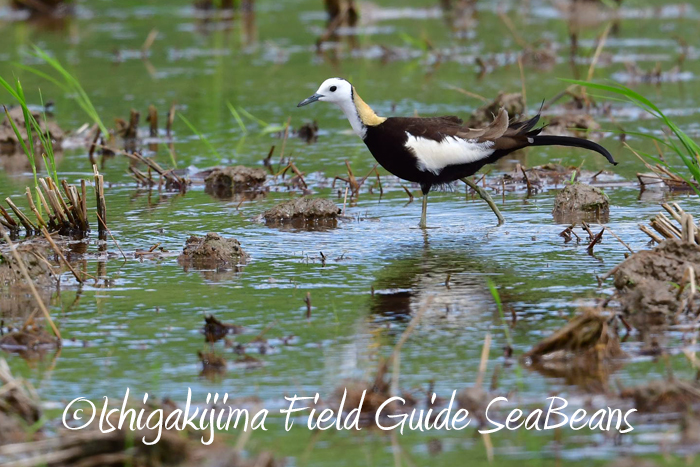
point(200, 135)
point(31, 127)
point(265, 128)
point(678, 142)
point(237, 116)
point(69, 84)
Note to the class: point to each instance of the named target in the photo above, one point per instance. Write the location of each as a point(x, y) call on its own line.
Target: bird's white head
point(335, 90)
point(341, 93)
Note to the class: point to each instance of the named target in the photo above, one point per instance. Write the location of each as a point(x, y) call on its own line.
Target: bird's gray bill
point(310, 100)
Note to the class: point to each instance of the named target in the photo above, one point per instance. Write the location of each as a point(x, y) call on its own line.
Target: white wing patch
point(434, 156)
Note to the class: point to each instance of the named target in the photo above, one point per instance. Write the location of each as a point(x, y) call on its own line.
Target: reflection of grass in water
point(506, 331)
point(31, 127)
point(70, 85)
point(682, 146)
point(499, 304)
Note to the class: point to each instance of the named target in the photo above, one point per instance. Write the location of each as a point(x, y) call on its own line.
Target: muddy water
point(138, 325)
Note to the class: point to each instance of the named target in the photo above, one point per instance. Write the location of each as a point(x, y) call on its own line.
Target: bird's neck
point(360, 114)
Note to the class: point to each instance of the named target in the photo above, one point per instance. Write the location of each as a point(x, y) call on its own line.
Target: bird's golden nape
point(367, 116)
point(435, 151)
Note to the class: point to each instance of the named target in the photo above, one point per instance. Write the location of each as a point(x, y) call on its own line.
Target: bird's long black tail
point(574, 143)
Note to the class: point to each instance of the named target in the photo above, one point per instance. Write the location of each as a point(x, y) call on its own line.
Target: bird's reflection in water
point(459, 310)
point(454, 282)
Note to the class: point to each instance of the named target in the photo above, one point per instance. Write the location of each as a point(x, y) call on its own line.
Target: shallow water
point(139, 325)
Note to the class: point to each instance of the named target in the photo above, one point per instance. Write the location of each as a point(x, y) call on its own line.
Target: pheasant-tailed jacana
point(438, 150)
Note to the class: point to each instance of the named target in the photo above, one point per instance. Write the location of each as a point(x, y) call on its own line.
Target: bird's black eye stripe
point(333, 88)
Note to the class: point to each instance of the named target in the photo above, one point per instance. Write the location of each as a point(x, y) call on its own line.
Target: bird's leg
point(424, 212)
point(486, 197)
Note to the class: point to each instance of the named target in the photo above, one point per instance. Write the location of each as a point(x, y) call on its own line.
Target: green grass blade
point(28, 117)
point(9, 89)
point(271, 129)
point(238, 118)
point(200, 135)
point(73, 85)
point(46, 141)
point(30, 155)
point(262, 123)
point(45, 76)
point(688, 152)
point(173, 160)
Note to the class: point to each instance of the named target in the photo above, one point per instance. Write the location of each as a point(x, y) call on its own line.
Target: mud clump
point(213, 364)
point(19, 407)
point(303, 212)
point(586, 333)
point(212, 251)
point(580, 202)
point(513, 103)
point(582, 352)
point(663, 396)
point(645, 281)
point(30, 341)
point(308, 132)
point(214, 330)
point(372, 394)
point(16, 298)
point(43, 7)
point(224, 182)
point(9, 143)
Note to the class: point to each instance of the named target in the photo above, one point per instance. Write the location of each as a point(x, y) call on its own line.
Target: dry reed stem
point(484, 360)
point(150, 39)
point(60, 254)
point(152, 120)
point(527, 180)
point(93, 145)
point(24, 220)
point(345, 198)
point(27, 277)
point(598, 51)
point(99, 195)
point(619, 239)
point(99, 219)
point(650, 233)
point(513, 30)
point(522, 80)
point(468, 93)
point(33, 208)
point(8, 219)
point(171, 119)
